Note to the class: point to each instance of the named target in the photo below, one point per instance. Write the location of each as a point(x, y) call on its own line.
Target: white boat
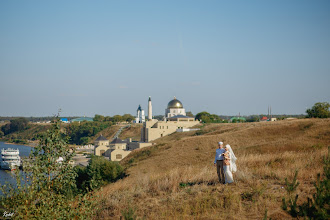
point(10, 159)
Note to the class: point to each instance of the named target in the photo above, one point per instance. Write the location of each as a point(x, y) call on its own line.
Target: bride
point(229, 165)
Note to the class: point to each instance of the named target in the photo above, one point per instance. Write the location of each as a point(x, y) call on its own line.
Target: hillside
point(134, 132)
point(176, 179)
point(27, 136)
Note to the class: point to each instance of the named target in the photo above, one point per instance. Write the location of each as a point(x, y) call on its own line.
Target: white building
point(140, 117)
point(174, 108)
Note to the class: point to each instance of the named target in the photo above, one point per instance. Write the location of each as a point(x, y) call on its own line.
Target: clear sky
point(107, 57)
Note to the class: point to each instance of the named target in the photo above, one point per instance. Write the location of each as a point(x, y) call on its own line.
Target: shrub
point(45, 188)
point(98, 172)
point(316, 207)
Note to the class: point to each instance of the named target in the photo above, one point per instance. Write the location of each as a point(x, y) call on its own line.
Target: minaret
point(149, 109)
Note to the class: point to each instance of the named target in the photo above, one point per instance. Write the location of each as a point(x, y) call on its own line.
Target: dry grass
point(176, 179)
point(134, 132)
point(108, 132)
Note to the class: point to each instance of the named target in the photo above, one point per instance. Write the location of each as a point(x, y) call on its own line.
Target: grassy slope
point(267, 153)
point(30, 133)
point(134, 132)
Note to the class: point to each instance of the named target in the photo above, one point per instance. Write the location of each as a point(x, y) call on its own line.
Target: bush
point(45, 189)
point(316, 207)
point(98, 172)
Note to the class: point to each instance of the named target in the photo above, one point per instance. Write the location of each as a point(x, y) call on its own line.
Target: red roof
point(264, 118)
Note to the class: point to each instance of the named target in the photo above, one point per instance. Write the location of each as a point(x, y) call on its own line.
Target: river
point(6, 175)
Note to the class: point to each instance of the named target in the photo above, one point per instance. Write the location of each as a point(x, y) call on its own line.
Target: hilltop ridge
point(176, 179)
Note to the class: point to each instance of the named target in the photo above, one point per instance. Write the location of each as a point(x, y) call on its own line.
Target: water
point(6, 175)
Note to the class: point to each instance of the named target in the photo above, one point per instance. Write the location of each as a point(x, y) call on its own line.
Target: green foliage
point(99, 118)
point(208, 118)
point(45, 189)
point(18, 124)
point(316, 207)
point(253, 118)
point(99, 172)
point(266, 215)
point(190, 114)
point(79, 133)
point(319, 110)
point(129, 213)
point(128, 117)
point(291, 187)
point(114, 119)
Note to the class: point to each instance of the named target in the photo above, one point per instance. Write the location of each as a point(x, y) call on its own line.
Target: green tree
point(99, 118)
point(117, 118)
point(128, 117)
point(319, 110)
point(208, 118)
point(79, 133)
point(201, 114)
point(190, 114)
point(98, 172)
point(45, 189)
point(18, 124)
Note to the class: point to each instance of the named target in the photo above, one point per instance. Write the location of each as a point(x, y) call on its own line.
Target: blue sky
point(107, 57)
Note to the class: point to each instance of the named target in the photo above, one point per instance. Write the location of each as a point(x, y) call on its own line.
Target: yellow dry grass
point(176, 179)
point(134, 132)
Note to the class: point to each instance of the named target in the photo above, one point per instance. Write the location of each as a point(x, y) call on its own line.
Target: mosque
point(175, 118)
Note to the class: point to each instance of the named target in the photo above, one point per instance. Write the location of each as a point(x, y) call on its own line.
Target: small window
point(119, 156)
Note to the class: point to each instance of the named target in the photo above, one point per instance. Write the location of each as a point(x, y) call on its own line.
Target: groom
point(218, 162)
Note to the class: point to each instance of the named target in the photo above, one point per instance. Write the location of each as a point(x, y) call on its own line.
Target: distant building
point(117, 149)
point(64, 120)
point(140, 117)
point(175, 118)
point(82, 119)
point(264, 118)
point(174, 108)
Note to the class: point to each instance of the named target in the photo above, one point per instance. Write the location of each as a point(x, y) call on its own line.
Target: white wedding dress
point(230, 169)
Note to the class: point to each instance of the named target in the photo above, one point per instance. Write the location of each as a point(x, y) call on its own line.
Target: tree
point(201, 114)
point(319, 110)
point(190, 114)
point(98, 118)
point(128, 117)
point(45, 189)
point(18, 124)
point(208, 118)
point(99, 172)
point(117, 118)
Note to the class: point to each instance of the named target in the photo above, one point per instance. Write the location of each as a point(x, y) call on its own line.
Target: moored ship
point(10, 159)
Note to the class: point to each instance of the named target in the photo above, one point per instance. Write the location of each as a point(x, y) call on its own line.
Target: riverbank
point(29, 144)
